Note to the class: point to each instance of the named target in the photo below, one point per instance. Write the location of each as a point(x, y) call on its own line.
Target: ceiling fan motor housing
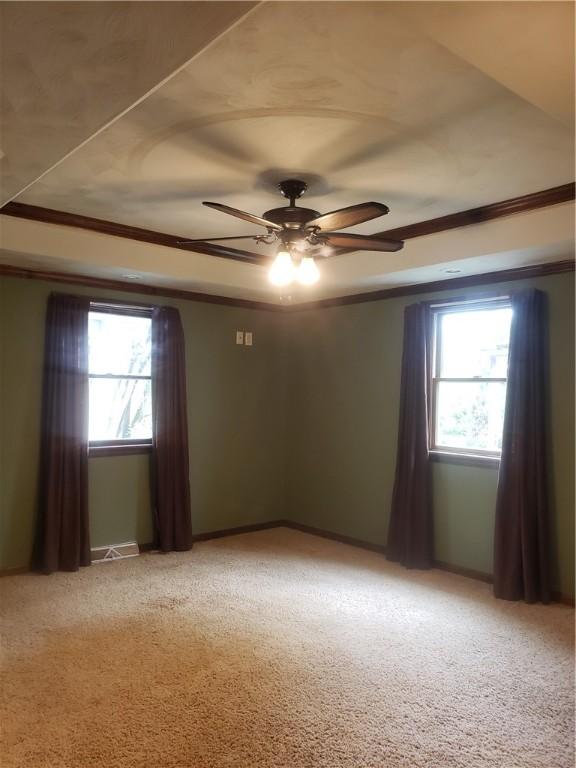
point(291, 217)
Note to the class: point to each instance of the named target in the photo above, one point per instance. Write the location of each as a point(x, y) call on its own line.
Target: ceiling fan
point(302, 235)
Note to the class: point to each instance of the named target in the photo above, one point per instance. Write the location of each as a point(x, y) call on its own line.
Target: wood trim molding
point(468, 573)
point(522, 204)
point(507, 275)
point(105, 227)
point(321, 533)
point(252, 528)
point(150, 547)
point(70, 278)
point(14, 571)
point(99, 451)
point(225, 532)
point(379, 548)
point(467, 281)
point(547, 197)
point(457, 570)
point(469, 460)
point(554, 196)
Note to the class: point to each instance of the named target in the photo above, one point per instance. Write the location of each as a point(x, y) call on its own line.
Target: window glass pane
point(474, 343)
point(119, 344)
point(470, 415)
point(120, 409)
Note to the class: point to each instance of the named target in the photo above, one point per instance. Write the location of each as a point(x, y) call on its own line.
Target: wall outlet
point(248, 338)
point(239, 337)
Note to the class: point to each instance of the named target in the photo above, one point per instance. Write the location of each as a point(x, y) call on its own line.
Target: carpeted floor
point(282, 650)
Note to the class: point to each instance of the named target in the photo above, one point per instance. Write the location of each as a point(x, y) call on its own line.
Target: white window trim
point(451, 454)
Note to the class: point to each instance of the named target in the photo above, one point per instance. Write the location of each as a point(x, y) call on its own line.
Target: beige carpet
point(282, 650)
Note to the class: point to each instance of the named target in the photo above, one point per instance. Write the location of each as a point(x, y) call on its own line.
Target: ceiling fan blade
point(362, 242)
point(224, 252)
point(243, 215)
point(216, 239)
point(348, 217)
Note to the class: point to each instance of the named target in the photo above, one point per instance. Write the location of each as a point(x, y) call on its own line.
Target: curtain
point(62, 537)
point(410, 532)
point(521, 555)
point(170, 472)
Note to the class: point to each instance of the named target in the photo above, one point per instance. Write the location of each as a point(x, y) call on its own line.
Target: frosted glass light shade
point(307, 273)
point(282, 269)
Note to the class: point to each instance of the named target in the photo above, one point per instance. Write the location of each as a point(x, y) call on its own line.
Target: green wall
point(344, 403)
point(303, 426)
point(119, 500)
point(236, 412)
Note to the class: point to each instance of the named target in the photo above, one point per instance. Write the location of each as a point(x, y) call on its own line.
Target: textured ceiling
point(69, 68)
point(429, 107)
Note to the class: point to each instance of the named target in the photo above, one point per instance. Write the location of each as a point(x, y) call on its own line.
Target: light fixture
point(131, 277)
point(301, 246)
point(307, 272)
point(282, 269)
point(453, 271)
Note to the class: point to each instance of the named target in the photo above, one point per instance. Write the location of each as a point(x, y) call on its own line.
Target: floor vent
point(114, 552)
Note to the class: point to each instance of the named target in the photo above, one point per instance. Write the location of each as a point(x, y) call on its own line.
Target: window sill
point(468, 459)
point(127, 449)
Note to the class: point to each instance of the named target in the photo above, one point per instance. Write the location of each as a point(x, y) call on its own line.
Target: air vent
point(114, 552)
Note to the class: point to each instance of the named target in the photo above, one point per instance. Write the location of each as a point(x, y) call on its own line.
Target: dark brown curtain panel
point(170, 473)
point(411, 531)
point(521, 555)
point(62, 540)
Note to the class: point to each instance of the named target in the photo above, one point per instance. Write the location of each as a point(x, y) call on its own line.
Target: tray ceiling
point(431, 108)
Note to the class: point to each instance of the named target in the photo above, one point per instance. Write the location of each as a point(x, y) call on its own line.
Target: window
point(469, 370)
point(119, 369)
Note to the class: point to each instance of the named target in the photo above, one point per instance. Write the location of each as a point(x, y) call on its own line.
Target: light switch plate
point(239, 337)
point(248, 338)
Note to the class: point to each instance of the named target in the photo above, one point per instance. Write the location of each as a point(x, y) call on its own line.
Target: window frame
point(127, 447)
point(449, 454)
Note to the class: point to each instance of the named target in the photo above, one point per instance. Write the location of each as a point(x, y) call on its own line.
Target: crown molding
point(554, 196)
point(546, 197)
point(70, 278)
point(467, 281)
point(113, 228)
